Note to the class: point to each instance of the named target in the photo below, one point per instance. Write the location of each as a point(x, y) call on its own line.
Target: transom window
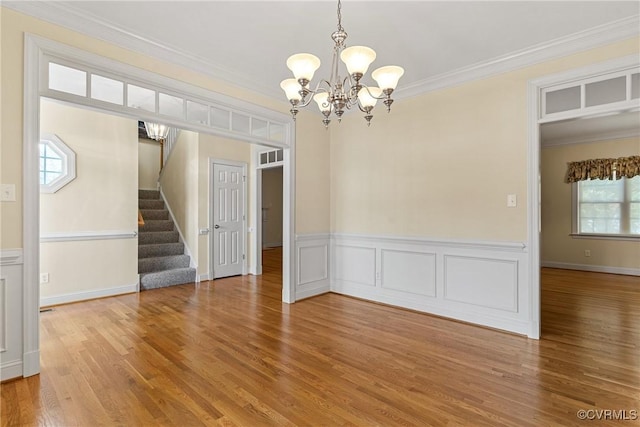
point(608, 207)
point(270, 158)
point(75, 82)
point(57, 164)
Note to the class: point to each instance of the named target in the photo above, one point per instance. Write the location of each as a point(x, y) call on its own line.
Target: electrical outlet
point(44, 278)
point(512, 200)
point(587, 252)
point(8, 193)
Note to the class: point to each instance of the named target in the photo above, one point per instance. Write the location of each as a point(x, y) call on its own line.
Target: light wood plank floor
point(230, 353)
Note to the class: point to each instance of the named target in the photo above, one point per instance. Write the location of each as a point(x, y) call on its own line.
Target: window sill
point(627, 237)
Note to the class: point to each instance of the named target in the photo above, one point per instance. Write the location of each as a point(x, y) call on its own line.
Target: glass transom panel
point(67, 79)
point(141, 97)
point(606, 91)
point(171, 105)
point(106, 89)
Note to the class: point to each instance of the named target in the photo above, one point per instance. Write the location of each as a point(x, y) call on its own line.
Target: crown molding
point(573, 43)
point(61, 14)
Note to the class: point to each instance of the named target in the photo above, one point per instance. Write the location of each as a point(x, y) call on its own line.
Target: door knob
point(216, 226)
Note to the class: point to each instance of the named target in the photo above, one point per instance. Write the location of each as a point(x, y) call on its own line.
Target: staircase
point(161, 258)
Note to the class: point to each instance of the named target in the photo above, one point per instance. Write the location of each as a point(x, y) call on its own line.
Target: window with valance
point(607, 196)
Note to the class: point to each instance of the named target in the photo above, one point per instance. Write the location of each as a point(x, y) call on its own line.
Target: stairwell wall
point(148, 164)
point(179, 185)
point(102, 199)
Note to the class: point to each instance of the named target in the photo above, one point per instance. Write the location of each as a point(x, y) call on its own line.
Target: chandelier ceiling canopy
point(338, 94)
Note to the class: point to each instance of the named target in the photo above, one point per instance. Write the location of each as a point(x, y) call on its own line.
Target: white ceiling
point(248, 42)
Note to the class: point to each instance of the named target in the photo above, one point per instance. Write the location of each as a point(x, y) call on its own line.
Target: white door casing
point(228, 220)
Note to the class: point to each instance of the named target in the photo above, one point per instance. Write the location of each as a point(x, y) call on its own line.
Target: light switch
point(8, 193)
point(512, 201)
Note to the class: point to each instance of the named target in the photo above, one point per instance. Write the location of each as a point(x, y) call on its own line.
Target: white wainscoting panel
point(355, 264)
point(312, 259)
point(3, 315)
point(480, 282)
point(407, 271)
point(11, 348)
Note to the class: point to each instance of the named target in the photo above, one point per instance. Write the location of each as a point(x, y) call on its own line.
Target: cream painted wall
point(311, 217)
point(148, 164)
point(179, 184)
point(213, 147)
point(102, 198)
point(556, 244)
point(272, 207)
point(441, 164)
point(313, 202)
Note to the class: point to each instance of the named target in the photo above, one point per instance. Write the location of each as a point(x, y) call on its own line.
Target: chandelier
point(156, 131)
point(337, 94)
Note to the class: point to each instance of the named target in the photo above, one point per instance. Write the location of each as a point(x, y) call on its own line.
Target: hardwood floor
point(230, 353)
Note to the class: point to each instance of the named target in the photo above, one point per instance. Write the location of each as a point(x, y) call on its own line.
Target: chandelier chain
point(340, 16)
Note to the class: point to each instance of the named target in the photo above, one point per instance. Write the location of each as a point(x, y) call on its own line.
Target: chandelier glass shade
point(156, 131)
point(337, 94)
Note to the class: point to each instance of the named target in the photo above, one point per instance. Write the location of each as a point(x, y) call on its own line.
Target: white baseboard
point(31, 365)
point(202, 278)
point(312, 291)
point(87, 295)
point(594, 268)
point(11, 369)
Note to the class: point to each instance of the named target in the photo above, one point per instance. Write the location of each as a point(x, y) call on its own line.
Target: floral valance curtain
point(626, 167)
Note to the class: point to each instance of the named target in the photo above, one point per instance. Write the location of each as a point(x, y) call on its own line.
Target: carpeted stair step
point(154, 214)
point(149, 237)
point(150, 204)
point(161, 279)
point(148, 265)
point(160, 250)
point(157, 225)
point(149, 194)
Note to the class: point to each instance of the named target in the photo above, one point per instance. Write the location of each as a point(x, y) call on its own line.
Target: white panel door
point(228, 220)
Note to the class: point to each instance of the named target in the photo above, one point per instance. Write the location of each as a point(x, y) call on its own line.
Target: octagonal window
point(57, 164)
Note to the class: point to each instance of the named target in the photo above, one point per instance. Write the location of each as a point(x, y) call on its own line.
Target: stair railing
point(169, 143)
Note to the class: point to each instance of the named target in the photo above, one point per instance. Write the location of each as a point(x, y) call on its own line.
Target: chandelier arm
point(383, 96)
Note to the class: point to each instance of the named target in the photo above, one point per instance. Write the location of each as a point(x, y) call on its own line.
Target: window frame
point(575, 219)
point(68, 157)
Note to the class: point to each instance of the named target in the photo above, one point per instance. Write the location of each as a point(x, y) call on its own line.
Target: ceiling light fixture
point(337, 94)
point(156, 131)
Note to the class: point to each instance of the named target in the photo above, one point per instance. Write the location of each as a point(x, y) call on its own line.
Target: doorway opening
point(563, 107)
point(190, 107)
point(271, 219)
